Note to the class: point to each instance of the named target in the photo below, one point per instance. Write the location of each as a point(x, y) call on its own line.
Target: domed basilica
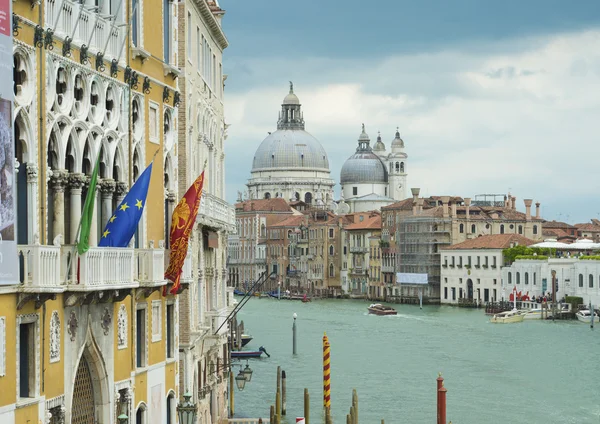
point(372, 177)
point(290, 162)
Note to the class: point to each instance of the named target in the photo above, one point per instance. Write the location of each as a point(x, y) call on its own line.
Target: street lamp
point(240, 381)
point(247, 373)
point(123, 406)
point(187, 410)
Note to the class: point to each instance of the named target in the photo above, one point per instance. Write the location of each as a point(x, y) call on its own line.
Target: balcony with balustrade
point(102, 274)
point(216, 213)
point(85, 25)
point(359, 249)
point(387, 268)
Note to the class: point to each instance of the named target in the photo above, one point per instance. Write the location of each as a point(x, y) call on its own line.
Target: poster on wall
point(9, 265)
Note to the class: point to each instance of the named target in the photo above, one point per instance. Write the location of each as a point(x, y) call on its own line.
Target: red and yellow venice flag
point(184, 217)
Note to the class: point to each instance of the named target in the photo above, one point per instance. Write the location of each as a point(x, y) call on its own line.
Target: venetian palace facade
point(91, 335)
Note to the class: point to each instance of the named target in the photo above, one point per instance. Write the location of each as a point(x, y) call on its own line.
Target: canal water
point(532, 372)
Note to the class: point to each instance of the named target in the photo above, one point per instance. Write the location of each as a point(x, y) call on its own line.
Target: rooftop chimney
point(528, 203)
point(468, 205)
point(453, 209)
point(514, 202)
point(537, 210)
point(420, 206)
point(415, 192)
point(445, 200)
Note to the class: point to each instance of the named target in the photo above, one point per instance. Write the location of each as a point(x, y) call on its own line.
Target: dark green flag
point(88, 212)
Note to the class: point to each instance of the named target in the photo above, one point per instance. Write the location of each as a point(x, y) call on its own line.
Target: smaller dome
point(364, 166)
point(398, 142)
point(379, 145)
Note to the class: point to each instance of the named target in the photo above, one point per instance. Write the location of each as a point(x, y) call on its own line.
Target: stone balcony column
point(32, 201)
point(170, 198)
point(58, 182)
point(93, 240)
point(107, 189)
point(76, 182)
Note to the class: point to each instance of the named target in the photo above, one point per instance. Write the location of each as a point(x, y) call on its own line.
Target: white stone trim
point(153, 106)
point(29, 319)
point(157, 320)
point(122, 336)
point(2, 346)
point(54, 337)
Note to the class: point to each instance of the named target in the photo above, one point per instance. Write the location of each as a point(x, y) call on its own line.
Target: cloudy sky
point(489, 96)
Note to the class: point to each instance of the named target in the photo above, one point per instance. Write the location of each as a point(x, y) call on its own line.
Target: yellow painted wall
point(170, 372)
point(8, 383)
point(54, 373)
point(27, 414)
point(124, 358)
point(23, 8)
point(141, 388)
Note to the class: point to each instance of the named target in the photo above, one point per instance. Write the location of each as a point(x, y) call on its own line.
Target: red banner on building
point(184, 217)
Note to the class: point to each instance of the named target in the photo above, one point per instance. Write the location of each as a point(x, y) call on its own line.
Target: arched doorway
point(470, 289)
point(83, 410)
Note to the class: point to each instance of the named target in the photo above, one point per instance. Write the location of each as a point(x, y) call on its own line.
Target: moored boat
point(536, 313)
point(379, 309)
point(586, 316)
point(508, 317)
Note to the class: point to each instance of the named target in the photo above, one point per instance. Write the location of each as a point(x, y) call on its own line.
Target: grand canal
point(533, 372)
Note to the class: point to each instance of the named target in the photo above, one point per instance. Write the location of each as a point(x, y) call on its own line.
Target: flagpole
point(77, 234)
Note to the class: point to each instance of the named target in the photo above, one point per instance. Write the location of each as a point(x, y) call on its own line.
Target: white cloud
point(472, 123)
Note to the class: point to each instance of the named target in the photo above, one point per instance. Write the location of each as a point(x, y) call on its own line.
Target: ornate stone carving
point(77, 181)
point(72, 326)
point(32, 173)
point(107, 187)
point(122, 327)
point(58, 181)
point(106, 320)
point(54, 337)
point(121, 188)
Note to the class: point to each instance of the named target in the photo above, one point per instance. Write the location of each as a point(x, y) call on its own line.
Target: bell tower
point(397, 169)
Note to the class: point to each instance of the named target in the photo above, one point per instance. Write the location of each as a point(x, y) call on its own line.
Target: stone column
point(32, 201)
point(107, 188)
point(121, 190)
point(171, 201)
point(93, 241)
point(58, 182)
point(76, 182)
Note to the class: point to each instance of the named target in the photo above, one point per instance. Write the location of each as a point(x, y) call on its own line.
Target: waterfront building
point(248, 245)
point(574, 277)
point(362, 226)
point(442, 221)
point(290, 163)
point(203, 352)
point(371, 178)
point(471, 271)
point(376, 286)
point(89, 337)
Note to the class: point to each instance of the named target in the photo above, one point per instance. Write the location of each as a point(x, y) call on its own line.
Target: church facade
point(290, 163)
point(373, 177)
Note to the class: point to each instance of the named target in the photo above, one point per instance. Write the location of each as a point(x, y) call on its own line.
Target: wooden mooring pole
point(283, 400)
point(306, 406)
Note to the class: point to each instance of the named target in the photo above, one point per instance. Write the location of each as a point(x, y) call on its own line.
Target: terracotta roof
point(495, 241)
point(588, 227)
point(292, 221)
point(263, 205)
point(556, 224)
point(370, 222)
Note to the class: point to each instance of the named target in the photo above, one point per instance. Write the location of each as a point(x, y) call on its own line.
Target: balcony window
point(136, 32)
point(167, 30)
point(28, 355)
point(170, 331)
point(140, 337)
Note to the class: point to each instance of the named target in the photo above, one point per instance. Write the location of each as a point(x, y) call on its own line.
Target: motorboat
point(305, 299)
point(586, 316)
point(536, 313)
point(246, 338)
point(249, 353)
point(379, 309)
point(508, 317)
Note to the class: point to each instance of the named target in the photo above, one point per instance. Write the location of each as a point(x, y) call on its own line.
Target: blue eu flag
point(121, 226)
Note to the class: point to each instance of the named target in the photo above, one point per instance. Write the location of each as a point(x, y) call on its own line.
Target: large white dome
point(290, 148)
